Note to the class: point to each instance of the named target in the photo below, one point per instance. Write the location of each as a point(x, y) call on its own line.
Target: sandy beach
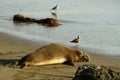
point(13, 48)
point(96, 22)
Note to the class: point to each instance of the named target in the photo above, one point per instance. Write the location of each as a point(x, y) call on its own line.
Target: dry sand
point(13, 48)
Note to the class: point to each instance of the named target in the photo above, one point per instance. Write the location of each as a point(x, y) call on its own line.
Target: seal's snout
point(82, 56)
point(86, 58)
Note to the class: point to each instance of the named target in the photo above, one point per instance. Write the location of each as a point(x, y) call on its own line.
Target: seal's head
point(82, 56)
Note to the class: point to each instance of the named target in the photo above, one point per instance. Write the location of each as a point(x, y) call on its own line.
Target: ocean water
point(97, 22)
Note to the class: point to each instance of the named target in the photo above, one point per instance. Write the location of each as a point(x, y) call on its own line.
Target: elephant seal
point(19, 17)
point(54, 54)
point(49, 22)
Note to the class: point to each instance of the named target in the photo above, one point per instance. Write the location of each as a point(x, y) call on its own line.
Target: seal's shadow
point(8, 62)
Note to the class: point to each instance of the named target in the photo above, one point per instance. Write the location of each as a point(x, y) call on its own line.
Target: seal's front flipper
point(22, 66)
point(70, 63)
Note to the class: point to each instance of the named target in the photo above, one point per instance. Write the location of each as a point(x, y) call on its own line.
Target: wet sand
point(13, 48)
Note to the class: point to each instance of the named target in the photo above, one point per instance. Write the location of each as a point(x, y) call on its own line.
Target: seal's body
point(53, 54)
point(49, 22)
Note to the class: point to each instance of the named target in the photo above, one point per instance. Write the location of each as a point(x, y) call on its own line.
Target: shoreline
point(13, 44)
point(13, 48)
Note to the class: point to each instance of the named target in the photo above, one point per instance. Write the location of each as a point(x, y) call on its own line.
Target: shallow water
point(97, 23)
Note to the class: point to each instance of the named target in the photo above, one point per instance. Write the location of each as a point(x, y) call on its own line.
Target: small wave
point(6, 18)
point(68, 21)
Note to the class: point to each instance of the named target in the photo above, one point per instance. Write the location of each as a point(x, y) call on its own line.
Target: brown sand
point(13, 48)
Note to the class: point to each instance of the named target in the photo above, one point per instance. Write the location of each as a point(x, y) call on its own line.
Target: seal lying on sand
point(53, 54)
